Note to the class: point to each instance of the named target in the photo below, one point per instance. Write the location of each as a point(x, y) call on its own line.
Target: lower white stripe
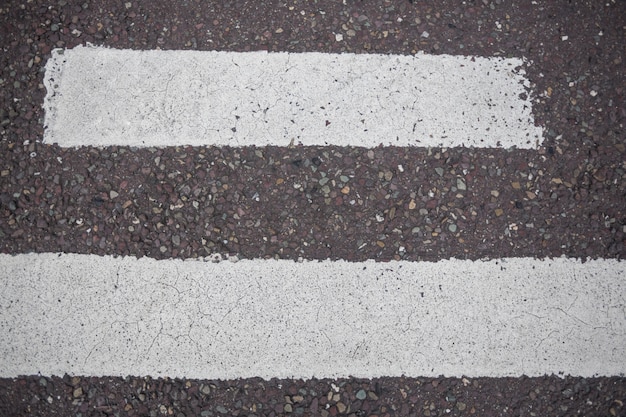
point(90, 315)
point(100, 97)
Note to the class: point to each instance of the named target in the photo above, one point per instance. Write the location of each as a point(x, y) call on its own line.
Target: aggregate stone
point(361, 394)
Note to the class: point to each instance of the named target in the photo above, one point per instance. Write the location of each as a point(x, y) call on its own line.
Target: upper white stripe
point(98, 96)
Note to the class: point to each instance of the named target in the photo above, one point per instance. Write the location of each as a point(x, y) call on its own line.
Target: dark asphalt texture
point(567, 198)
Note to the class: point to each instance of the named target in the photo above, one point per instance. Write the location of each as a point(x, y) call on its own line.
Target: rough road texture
point(548, 396)
point(568, 198)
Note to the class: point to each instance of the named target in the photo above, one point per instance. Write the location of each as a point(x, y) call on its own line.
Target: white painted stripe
point(90, 315)
point(100, 97)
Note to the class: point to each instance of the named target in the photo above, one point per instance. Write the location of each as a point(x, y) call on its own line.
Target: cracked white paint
point(91, 315)
point(100, 97)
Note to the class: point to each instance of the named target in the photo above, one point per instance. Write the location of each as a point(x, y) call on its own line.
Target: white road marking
point(101, 97)
point(91, 315)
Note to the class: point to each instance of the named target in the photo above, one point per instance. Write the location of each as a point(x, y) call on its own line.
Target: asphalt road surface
point(565, 198)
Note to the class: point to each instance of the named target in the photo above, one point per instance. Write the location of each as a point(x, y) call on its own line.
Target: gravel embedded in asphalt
point(86, 396)
point(565, 199)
